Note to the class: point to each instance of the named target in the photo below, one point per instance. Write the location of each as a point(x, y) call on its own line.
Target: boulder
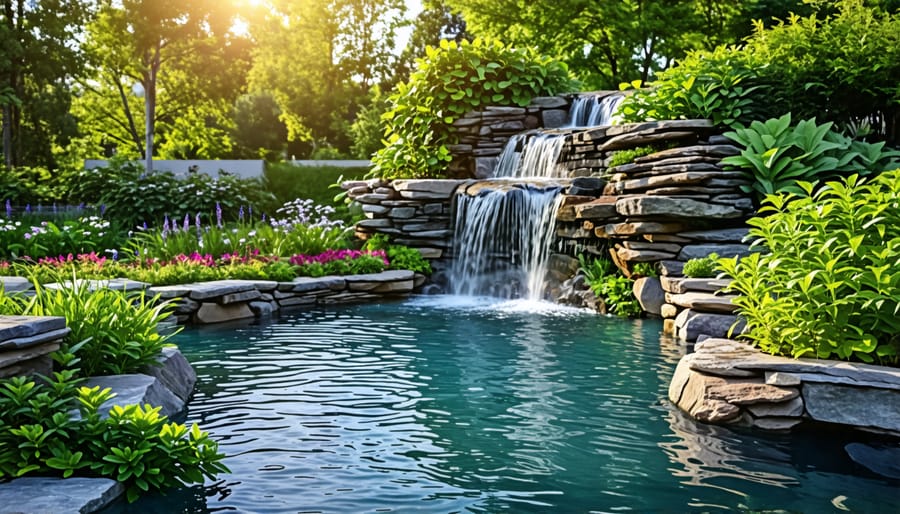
point(553, 118)
point(713, 325)
point(49, 495)
point(137, 389)
point(649, 294)
point(174, 372)
point(215, 313)
point(849, 405)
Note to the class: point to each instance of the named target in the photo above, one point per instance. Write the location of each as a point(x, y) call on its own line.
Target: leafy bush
point(717, 85)
point(702, 267)
point(830, 285)
point(846, 58)
point(450, 81)
point(776, 155)
point(24, 185)
point(616, 291)
point(134, 197)
point(645, 269)
point(112, 332)
point(46, 238)
point(134, 445)
point(400, 257)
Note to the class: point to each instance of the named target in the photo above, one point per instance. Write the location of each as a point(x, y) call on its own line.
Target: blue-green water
point(445, 405)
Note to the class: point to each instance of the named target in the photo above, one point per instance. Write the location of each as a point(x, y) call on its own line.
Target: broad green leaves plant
point(112, 332)
point(450, 81)
point(714, 85)
point(614, 289)
point(776, 155)
point(830, 285)
point(701, 267)
point(134, 445)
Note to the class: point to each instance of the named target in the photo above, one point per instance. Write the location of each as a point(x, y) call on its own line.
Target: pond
point(448, 404)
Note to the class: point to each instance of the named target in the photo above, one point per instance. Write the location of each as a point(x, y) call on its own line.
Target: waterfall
point(502, 239)
point(593, 111)
point(531, 154)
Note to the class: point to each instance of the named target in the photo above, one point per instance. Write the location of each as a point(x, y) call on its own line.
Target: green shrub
point(645, 269)
point(702, 267)
point(715, 85)
point(289, 182)
point(134, 445)
point(775, 155)
point(112, 332)
point(133, 197)
point(846, 57)
point(400, 257)
point(616, 291)
point(628, 156)
point(19, 239)
point(450, 81)
point(24, 185)
point(830, 285)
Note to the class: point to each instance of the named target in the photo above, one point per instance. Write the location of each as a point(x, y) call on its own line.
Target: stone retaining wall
point(728, 382)
point(26, 343)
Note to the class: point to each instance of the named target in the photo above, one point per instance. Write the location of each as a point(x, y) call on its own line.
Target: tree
point(179, 56)
point(38, 57)
point(434, 23)
point(317, 59)
point(606, 42)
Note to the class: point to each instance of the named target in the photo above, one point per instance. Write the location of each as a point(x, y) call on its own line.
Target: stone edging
point(730, 382)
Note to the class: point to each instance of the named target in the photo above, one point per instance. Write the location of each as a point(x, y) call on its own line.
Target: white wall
point(242, 168)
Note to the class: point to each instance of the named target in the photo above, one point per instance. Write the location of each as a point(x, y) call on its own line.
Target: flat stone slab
point(137, 389)
point(174, 372)
point(680, 285)
point(854, 406)
point(437, 188)
point(57, 495)
point(115, 284)
point(309, 284)
point(384, 276)
point(703, 302)
point(206, 290)
point(15, 284)
point(17, 332)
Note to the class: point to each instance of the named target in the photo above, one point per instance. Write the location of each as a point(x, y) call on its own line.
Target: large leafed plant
point(448, 82)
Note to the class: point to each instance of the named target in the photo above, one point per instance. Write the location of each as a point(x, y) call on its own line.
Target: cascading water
point(530, 155)
point(504, 230)
point(502, 240)
point(593, 110)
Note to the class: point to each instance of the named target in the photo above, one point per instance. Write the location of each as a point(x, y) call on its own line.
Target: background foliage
point(449, 81)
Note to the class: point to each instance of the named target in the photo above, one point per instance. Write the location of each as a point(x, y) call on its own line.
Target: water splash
point(502, 240)
point(593, 110)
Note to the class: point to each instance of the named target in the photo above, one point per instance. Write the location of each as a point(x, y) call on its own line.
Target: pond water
point(445, 404)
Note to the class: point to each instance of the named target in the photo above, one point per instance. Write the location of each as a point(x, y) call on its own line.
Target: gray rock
point(484, 166)
point(649, 294)
point(642, 255)
point(775, 423)
point(713, 325)
point(723, 250)
point(402, 212)
point(33, 360)
point(186, 305)
point(883, 460)
point(554, 118)
point(549, 102)
point(169, 292)
point(294, 301)
point(15, 284)
point(782, 378)
point(30, 495)
point(12, 327)
point(792, 408)
point(671, 268)
point(206, 290)
point(34, 340)
point(214, 313)
point(174, 372)
point(502, 110)
point(137, 389)
point(602, 208)
point(703, 302)
point(262, 309)
point(243, 296)
point(308, 284)
point(668, 310)
point(592, 186)
point(856, 406)
point(637, 227)
point(727, 235)
point(632, 140)
point(371, 198)
point(442, 187)
point(674, 208)
point(675, 180)
point(627, 128)
point(374, 209)
point(684, 285)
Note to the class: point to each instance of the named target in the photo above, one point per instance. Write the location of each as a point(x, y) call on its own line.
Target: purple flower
point(197, 222)
point(241, 214)
point(27, 235)
point(218, 215)
point(165, 229)
point(102, 209)
point(8, 209)
point(187, 223)
point(28, 208)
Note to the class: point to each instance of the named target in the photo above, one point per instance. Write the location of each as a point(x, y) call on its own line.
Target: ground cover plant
point(829, 285)
point(135, 445)
point(449, 81)
point(610, 286)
